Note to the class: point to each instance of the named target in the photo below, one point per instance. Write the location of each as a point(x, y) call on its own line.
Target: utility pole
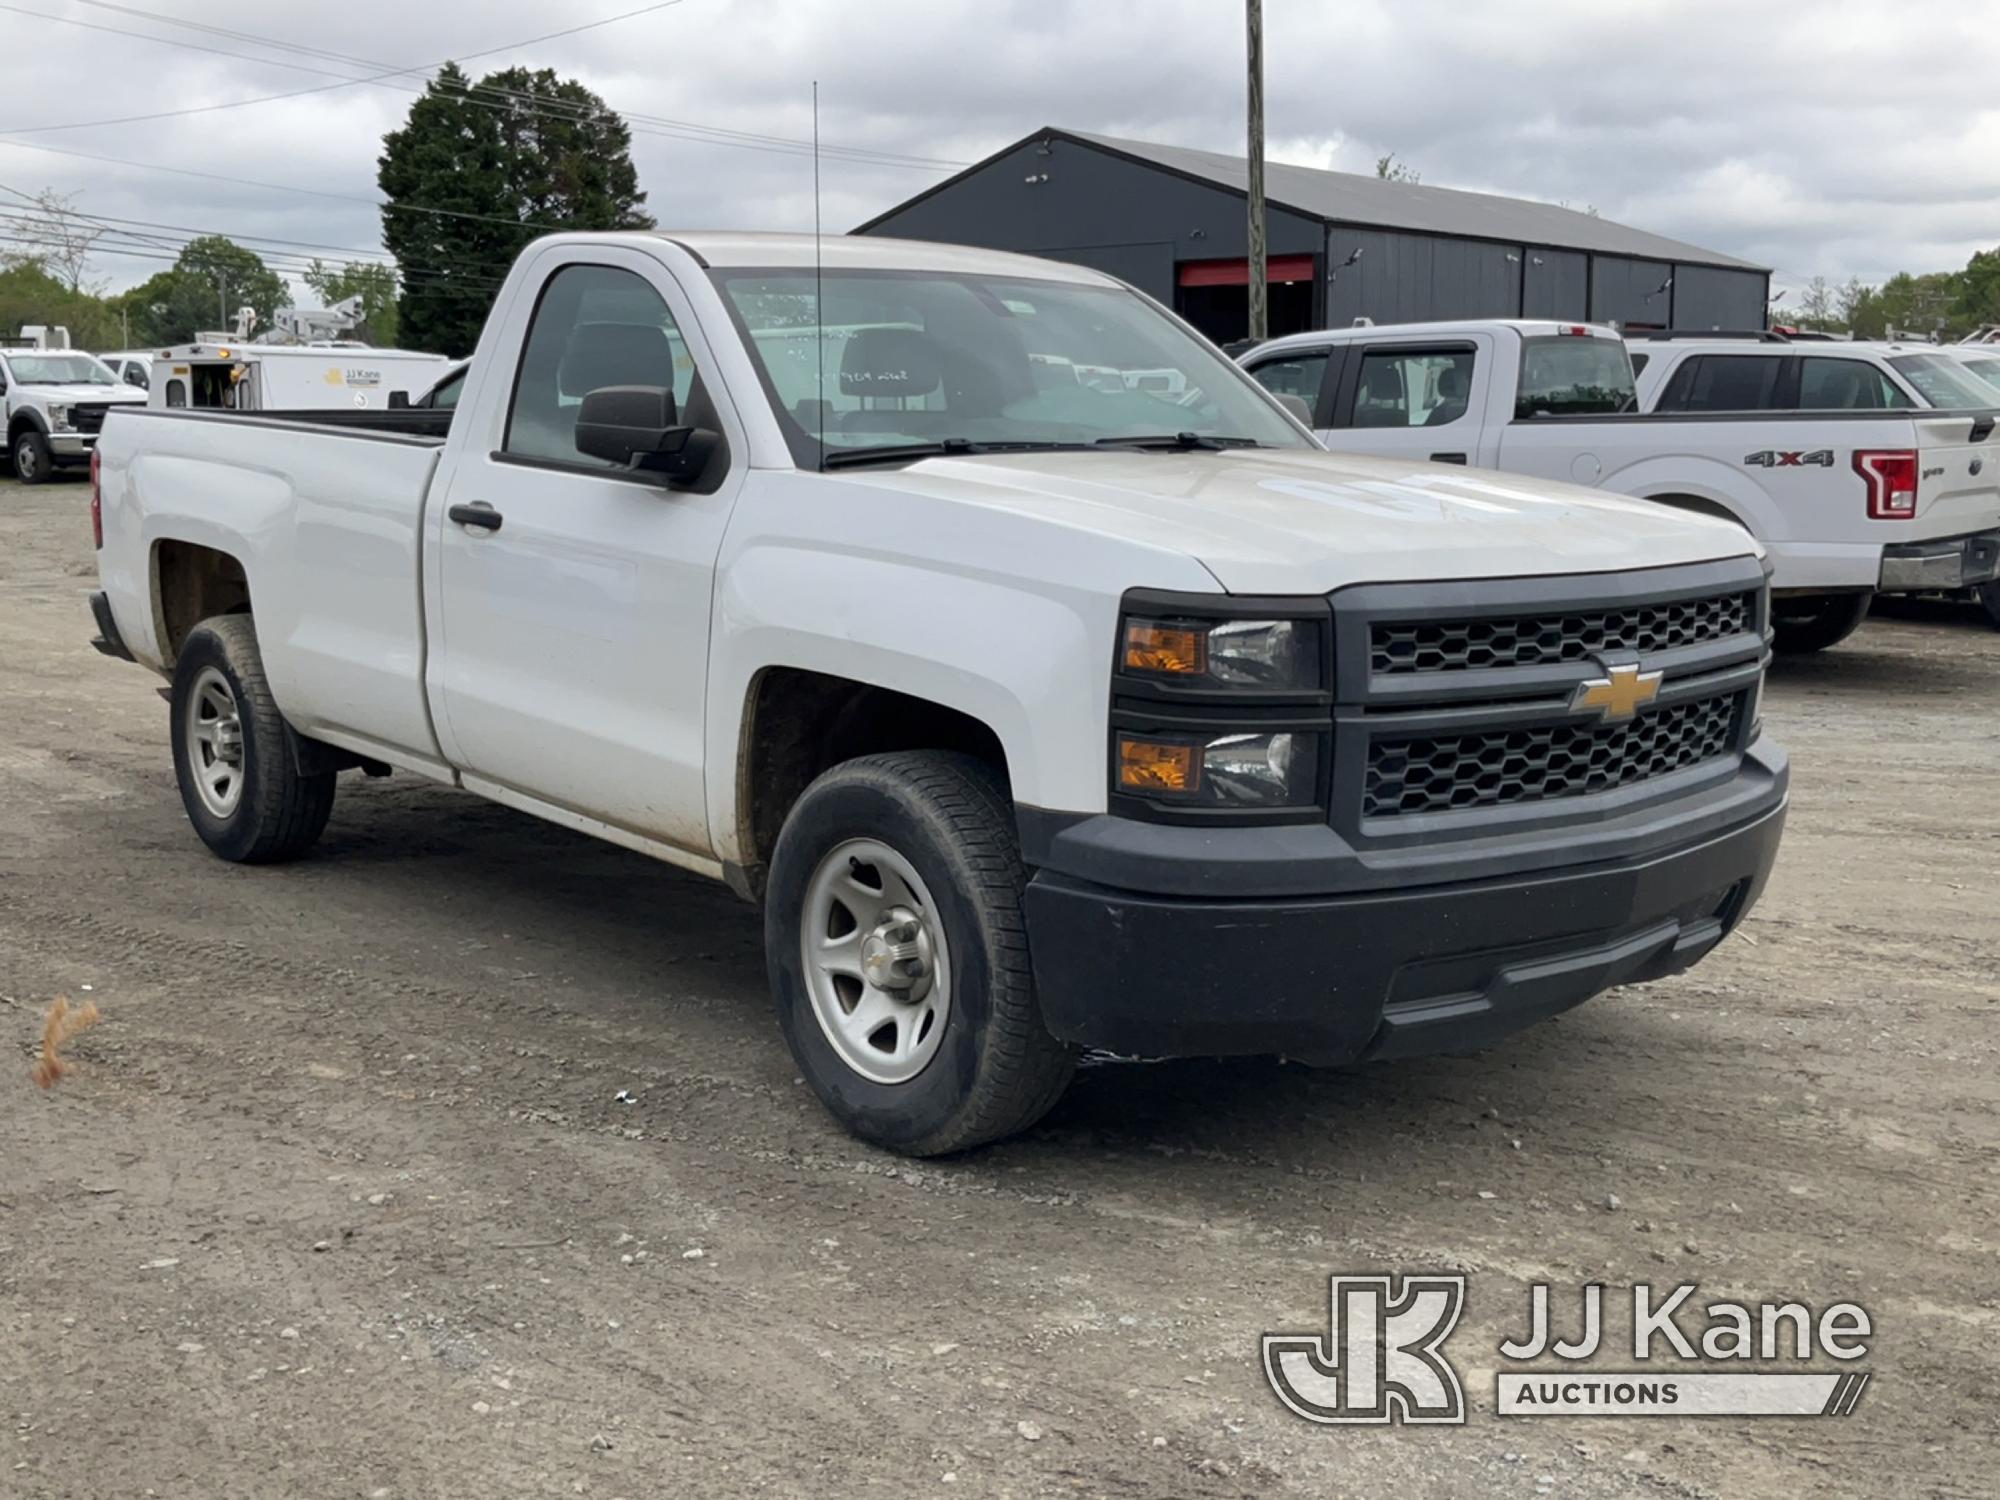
point(1260, 323)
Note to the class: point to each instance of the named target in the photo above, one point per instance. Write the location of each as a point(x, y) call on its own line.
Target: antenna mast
point(819, 318)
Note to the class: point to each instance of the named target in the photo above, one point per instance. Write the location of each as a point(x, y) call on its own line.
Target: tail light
point(96, 504)
point(1891, 477)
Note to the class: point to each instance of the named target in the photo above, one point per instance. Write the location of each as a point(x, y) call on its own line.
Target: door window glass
point(1724, 382)
point(1412, 387)
point(595, 326)
point(1847, 385)
point(1295, 375)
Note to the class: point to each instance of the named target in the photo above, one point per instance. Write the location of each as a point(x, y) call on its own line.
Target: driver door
point(574, 595)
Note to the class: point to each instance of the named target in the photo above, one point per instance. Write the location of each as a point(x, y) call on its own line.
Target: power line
point(203, 109)
point(638, 123)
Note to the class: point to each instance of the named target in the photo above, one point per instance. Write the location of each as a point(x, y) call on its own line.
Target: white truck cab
point(1046, 682)
point(54, 401)
point(1893, 497)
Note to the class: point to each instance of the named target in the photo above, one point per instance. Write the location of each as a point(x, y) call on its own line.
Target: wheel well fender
point(190, 583)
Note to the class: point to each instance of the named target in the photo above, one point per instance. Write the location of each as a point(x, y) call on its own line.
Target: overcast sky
point(1827, 138)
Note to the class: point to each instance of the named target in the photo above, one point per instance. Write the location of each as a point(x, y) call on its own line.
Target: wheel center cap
point(896, 954)
point(228, 740)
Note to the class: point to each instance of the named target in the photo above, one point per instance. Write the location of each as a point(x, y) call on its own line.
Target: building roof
point(1374, 202)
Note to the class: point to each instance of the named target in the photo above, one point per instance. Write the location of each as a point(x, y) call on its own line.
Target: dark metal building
point(1172, 221)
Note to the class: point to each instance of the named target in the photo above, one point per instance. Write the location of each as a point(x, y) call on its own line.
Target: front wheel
point(241, 788)
point(899, 956)
point(33, 463)
point(1813, 622)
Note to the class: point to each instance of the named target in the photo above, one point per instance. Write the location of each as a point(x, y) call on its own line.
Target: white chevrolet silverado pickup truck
point(1847, 502)
point(1044, 680)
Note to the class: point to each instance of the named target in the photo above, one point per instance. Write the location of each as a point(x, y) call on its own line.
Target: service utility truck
point(1048, 685)
point(217, 373)
point(1846, 502)
point(54, 401)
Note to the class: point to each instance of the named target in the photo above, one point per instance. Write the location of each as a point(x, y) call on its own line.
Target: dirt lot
point(340, 1202)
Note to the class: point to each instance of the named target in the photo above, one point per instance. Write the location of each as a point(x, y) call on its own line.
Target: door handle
point(1447, 458)
point(479, 514)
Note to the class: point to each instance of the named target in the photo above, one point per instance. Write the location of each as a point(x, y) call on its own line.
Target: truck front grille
point(1496, 767)
point(88, 418)
point(1410, 646)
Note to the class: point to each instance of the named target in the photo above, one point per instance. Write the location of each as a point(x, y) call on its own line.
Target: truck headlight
point(1234, 770)
point(1245, 655)
point(59, 418)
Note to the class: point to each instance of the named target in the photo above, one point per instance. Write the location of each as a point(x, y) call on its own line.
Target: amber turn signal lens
point(1175, 650)
point(1156, 768)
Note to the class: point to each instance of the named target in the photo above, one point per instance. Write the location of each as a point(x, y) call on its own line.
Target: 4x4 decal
point(1772, 459)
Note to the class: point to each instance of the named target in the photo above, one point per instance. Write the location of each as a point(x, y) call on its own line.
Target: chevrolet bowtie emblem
point(1617, 695)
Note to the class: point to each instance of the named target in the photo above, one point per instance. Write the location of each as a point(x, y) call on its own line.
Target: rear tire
point(1988, 595)
point(232, 756)
point(1814, 622)
point(33, 463)
point(884, 864)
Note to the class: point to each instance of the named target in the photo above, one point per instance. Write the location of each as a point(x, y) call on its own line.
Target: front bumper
point(68, 445)
point(1424, 965)
point(1958, 562)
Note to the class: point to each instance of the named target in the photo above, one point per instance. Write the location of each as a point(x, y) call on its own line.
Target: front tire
point(238, 781)
point(898, 955)
point(33, 462)
point(1814, 622)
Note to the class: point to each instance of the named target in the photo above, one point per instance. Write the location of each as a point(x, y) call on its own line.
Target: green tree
point(210, 279)
point(1978, 301)
point(477, 171)
point(1390, 170)
point(29, 293)
point(1921, 306)
point(373, 282)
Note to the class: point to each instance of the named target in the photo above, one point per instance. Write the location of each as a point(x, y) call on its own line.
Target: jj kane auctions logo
point(1382, 1357)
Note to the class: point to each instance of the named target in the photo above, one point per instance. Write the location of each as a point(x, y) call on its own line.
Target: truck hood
point(1306, 522)
point(71, 395)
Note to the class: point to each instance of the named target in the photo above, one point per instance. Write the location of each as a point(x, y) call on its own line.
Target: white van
point(229, 376)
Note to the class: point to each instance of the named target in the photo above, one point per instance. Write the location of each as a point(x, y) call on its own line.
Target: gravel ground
point(340, 1200)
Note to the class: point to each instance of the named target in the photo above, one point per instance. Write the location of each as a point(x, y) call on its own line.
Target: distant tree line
point(1945, 305)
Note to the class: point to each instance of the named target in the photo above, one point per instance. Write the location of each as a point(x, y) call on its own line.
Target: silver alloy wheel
point(26, 459)
point(215, 743)
point(876, 961)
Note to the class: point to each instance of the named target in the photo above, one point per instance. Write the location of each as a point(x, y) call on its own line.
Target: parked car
point(1724, 376)
point(133, 366)
point(1044, 703)
point(1846, 503)
point(55, 401)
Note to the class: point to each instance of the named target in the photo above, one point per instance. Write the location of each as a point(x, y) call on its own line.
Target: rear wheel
point(1813, 622)
point(1988, 595)
point(899, 955)
point(33, 463)
point(238, 781)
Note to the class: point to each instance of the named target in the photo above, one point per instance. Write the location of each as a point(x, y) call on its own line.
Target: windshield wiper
point(952, 447)
point(1180, 442)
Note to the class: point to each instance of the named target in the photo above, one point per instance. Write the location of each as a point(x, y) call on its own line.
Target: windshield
point(891, 359)
point(1571, 375)
point(60, 369)
point(1941, 382)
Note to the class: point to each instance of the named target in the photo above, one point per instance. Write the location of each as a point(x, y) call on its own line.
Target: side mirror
point(639, 427)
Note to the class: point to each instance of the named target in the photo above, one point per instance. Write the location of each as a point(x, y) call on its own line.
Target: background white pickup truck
point(1045, 681)
point(1845, 503)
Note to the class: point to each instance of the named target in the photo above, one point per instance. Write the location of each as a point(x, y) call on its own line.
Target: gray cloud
point(1849, 137)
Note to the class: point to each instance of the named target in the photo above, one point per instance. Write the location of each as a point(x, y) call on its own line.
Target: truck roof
point(745, 250)
point(1527, 328)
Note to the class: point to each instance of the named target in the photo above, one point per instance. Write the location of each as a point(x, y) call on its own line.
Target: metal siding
point(1619, 289)
point(1094, 209)
point(1556, 284)
point(1707, 297)
point(1412, 278)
